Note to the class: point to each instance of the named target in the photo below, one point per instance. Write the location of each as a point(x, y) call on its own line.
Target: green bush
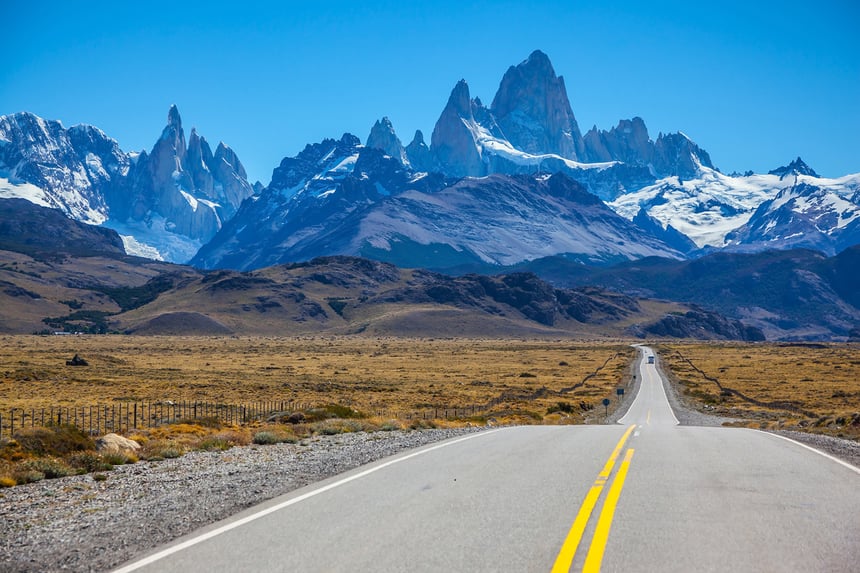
point(215, 444)
point(50, 468)
point(119, 458)
point(267, 437)
point(89, 462)
point(54, 440)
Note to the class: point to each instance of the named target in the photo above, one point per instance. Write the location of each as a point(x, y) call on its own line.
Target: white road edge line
point(851, 467)
point(247, 519)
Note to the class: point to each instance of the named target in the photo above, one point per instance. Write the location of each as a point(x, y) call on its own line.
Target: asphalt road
point(643, 495)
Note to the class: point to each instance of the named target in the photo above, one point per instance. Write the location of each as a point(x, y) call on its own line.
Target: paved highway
point(643, 495)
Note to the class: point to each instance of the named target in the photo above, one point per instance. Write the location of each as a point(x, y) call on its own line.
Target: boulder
point(116, 444)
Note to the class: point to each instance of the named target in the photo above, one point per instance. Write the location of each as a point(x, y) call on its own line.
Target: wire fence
point(126, 416)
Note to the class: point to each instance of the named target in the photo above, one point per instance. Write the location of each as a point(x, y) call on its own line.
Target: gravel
point(81, 524)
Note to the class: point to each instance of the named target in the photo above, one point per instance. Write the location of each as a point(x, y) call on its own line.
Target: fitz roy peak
point(494, 185)
point(533, 110)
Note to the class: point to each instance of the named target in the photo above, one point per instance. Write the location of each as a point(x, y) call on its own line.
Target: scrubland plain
point(809, 387)
point(377, 376)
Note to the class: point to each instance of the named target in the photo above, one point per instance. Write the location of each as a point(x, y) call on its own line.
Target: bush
point(119, 458)
point(89, 462)
point(23, 476)
point(269, 437)
point(54, 440)
point(215, 444)
point(7, 481)
point(159, 450)
point(50, 468)
point(332, 427)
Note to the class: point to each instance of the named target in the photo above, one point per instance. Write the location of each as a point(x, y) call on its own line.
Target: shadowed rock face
point(533, 110)
point(382, 137)
point(453, 142)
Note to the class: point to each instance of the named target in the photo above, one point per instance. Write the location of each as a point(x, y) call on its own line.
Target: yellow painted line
point(574, 536)
point(601, 534)
point(648, 419)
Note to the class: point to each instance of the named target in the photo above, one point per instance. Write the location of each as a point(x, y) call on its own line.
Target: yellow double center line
point(601, 534)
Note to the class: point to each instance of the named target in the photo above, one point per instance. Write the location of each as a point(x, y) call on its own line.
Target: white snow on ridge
point(71, 203)
point(31, 193)
point(153, 240)
point(487, 143)
point(708, 208)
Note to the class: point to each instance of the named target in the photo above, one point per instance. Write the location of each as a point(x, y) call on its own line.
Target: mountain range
point(512, 185)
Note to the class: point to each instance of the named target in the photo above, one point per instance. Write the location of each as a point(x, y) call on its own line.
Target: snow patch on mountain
point(28, 191)
point(154, 238)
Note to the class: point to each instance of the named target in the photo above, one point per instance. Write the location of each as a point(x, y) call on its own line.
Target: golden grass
point(812, 387)
point(377, 376)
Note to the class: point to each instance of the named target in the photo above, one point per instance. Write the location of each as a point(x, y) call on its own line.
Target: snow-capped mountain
point(496, 185)
point(530, 128)
point(164, 204)
point(72, 170)
point(714, 210)
point(339, 197)
point(803, 215)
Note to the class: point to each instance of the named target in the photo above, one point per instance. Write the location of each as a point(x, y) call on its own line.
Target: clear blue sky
point(754, 83)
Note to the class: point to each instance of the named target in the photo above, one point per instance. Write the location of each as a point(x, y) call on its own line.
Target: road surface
point(642, 495)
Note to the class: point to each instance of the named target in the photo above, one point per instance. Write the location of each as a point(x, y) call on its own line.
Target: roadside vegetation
point(345, 385)
point(789, 386)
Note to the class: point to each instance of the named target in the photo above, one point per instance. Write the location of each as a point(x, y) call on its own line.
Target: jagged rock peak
point(453, 142)
point(460, 100)
point(533, 110)
point(382, 137)
point(798, 167)
point(418, 153)
point(173, 118)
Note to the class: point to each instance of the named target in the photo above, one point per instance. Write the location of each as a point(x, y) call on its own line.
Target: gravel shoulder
point(80, 524)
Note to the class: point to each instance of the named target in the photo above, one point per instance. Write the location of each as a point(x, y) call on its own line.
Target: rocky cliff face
point(418, 152)
point(194, 190)
point(453, 142)
point(382, 137)
point(629, 142)
point(533, 110)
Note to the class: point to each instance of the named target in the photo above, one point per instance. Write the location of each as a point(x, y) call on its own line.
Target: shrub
point(7, 481)
point(236, 437)
point(269, 437)
point(50, 468)
point(332, 427)
point(565, 407)
point(119, 458)
point(23, 476)
point(54, 440)
point(159, 450)
point(99, 477)
point(215, 444)
point(89, 462)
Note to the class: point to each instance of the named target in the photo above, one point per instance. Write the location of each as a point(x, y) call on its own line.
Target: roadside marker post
point(606, 402)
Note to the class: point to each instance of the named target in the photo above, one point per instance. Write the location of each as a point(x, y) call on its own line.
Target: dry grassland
point(378, 376)
point(812, 387)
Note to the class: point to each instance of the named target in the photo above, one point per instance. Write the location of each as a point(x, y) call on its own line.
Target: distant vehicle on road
point(650, 360)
